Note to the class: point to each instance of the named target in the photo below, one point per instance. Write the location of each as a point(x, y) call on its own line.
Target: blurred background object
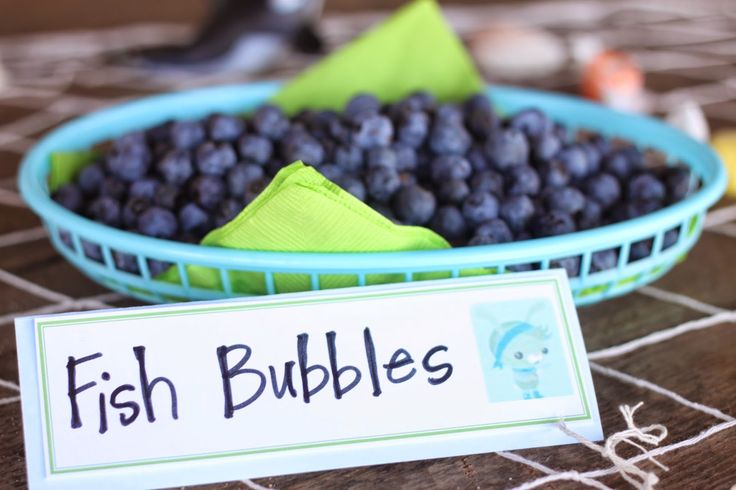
point(241, 35)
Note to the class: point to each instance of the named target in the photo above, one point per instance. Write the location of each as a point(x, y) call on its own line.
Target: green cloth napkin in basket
point(413, 50)
point(303, 211)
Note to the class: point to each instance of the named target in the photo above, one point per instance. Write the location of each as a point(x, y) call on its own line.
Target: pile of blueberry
point(458, 169)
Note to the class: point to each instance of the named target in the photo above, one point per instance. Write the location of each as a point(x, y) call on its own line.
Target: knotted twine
point(651, 434)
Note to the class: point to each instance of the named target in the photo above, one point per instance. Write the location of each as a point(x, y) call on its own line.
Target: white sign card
point(214, 391)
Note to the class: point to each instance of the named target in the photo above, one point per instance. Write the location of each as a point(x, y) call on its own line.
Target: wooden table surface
point(671, 346)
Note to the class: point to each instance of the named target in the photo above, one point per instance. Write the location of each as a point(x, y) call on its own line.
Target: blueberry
point(645, 187)
point(566, 199)
point(185, 135)
point(128, 164)
point(480, 240)
point(223, 127)
point(113, 187)
point(640, 250)
point(227, 211)
point(352, 185)
point(449, 112)
point(590, 216)
point(91, 250)
point(449, 222)
point(670, 238)
point(157, 222)
point(90, 179)
point(477, 159)
point(531, 122)
point(255, 148)
point(570, 264)
point(545, 146)
point(479, 115)
point(604, 189)
point(132, 143)
point(373, 131)
point(554, 174)
point(520, 267)
point(384, 210)
point(240, 176)
point(552, 223)
point(507, 148)
point(175, 167)
point(349, 158)
point(361, 106)
point(156, 267)
point(302, 146)
point(678, 180)
point(623, 162)
point(335, 129)
point(480, 206)
point(523, 179)
point(452, 191)
point(166, 196)
point(254, 188)
point(601, 143)
point(330, 171)
point(413, 205)
point(160, 133)
point(207, 191)
point(450, 167)
point(69, 196)
point(106, 210)
point(603, 260)
point(131, 210)
point(406, 157)
point(449, 138)
point(517, 211)
point(145, 188)
point(561, 132)
point(575, 161)
point(382, 183)
point(215, 158)
point(496, 229)
point(488, 181)
point(421, 100)
point(193, 219)
point(634, 209)
point(594, 157)
point(269, 121)
point(125, 262)
point(407, 178)
point(381, 157)
point(412, 129)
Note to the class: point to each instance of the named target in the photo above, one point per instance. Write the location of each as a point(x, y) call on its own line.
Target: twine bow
point(652, 435)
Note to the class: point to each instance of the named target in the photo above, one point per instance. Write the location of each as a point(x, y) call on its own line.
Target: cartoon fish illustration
point(521, 345)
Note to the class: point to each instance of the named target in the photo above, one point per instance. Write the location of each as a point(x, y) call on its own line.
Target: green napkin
point(413, 50)
point(303, 211)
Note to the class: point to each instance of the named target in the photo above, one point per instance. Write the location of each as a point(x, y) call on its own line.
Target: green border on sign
point(226, 308)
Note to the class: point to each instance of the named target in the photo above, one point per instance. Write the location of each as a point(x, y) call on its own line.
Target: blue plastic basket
point(686, 216)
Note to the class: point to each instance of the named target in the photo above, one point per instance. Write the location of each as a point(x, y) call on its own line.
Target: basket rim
point(33, 188)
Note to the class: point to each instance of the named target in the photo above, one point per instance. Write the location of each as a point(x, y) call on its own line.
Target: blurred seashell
point(688, 117)
point(514, 52)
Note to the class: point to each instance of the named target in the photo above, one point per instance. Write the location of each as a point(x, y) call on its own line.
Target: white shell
point(688, 117)
point(513, 52)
